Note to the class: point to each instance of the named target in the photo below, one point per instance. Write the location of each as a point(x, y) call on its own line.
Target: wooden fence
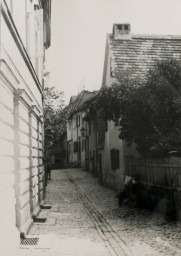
point(164, 173)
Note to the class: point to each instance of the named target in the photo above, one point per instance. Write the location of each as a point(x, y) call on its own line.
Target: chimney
point(122, 31)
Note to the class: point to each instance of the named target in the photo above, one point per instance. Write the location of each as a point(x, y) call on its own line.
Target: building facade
point(127, 55)
point(25, 35)
point(130, 55)
point(77, 132)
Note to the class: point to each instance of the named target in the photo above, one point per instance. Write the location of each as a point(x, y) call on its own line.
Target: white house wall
point(107, 79)
point(7, 193)
point(73, 135)
point(21, 128)
point(112, 178)
point(14, 59)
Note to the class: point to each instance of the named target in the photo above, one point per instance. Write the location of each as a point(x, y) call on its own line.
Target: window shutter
point(35, 45)
point(90, 128)
point(76, 121)
point(30, 40)
point(79, 146)
point(38, 16)
point(75, 146)
point(40, 47)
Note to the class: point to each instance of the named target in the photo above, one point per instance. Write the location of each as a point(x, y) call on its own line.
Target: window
point(69, 125)
point(90, 128)
point(34, 40)
point(111, 70)
point(36, 53)
point(36, 7)
point(77, 121)
point(114, 159)
point(83, 122)
point(95, 125)
point(75, 146)
point(83, 145)
point(126, 27)
point(120, 27)
point(79, 149)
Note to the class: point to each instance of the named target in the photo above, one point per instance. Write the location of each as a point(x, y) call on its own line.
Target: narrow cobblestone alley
point(85, 219)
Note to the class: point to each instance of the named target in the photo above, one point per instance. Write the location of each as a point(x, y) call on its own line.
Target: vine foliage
point(149, 112)
point(55, 116)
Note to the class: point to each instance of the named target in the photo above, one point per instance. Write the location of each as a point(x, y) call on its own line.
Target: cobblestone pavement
point(85, 219)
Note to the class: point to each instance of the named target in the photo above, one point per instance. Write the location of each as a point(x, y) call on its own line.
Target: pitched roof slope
point(77, 101)
point(140, 53)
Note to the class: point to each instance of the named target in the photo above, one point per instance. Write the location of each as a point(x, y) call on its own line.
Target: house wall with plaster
point(21, 123)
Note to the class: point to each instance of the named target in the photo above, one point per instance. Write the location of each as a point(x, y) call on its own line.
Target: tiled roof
point(141, 52)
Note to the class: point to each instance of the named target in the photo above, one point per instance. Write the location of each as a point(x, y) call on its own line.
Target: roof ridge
point(150, 36)
point(155, 36)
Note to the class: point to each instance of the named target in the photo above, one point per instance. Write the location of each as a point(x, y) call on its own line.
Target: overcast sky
point(75, 58)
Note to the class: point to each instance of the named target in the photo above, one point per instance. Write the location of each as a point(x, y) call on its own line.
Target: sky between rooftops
point(76, 56)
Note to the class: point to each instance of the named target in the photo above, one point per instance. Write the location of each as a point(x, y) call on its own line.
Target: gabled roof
point(77, 101)
point(140, 53)
point(72, 99)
